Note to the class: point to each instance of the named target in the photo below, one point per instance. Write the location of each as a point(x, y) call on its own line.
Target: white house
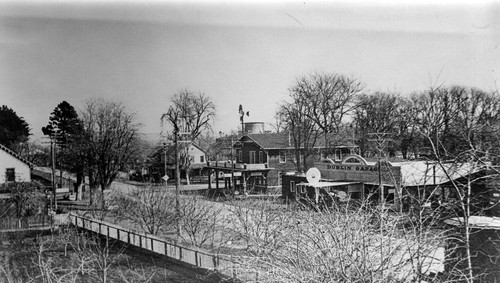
point(197, 154)
point(13, 168)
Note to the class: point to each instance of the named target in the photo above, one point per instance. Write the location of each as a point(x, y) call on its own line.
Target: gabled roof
point(270, 141)
point(13, 153)
point(198, 147)
point(284, 141)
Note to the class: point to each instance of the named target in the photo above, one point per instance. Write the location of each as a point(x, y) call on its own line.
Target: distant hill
point(154, 138)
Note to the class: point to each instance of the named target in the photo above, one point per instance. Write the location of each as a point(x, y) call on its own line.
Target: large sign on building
point(355, 169)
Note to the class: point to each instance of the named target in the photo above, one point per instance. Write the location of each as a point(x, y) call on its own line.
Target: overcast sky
point(141, 52)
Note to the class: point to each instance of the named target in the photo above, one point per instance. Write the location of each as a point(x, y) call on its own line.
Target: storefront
point(237, 178)
point(392, 183)
point(378, 181)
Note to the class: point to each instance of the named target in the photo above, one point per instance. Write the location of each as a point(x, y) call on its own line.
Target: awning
point(327, 184)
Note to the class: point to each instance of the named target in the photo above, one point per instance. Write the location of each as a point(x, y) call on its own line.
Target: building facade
point(397, 184)
point(280, 155)
point(13, 168)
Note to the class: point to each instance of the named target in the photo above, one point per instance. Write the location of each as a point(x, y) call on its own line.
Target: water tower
point(254, 127)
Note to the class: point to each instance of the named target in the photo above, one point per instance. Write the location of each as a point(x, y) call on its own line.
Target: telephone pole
point(381, 141)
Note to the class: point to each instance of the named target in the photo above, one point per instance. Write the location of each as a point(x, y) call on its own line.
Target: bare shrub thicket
point(202, 222)
point(255, 224)
point(153, 210)
point(72, 256)
point(329, 245)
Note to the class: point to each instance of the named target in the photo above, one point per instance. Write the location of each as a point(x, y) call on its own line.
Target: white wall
point(22, 169)
point(195, 152)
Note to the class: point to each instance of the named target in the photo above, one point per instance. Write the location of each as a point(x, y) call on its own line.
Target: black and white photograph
point(249, 141)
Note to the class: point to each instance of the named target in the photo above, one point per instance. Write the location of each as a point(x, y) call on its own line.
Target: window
point(279, 178)
point(261, 157)
point(292, 186)
point(202, 158)
point(352, 160)
point(303, 189)
point(282, 157)
point(338, 155)
point(240, 156)
point(301, 158)
point(10, 175)
point(251, 157)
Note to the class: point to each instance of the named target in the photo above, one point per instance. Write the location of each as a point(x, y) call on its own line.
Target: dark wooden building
point(279, 153)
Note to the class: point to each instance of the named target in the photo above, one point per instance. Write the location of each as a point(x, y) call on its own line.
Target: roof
point(422, 173)
point(327, 184)
point(46, 173)
point(14, 154)
point(285, 141)
point(229, 166)
point(481, 222)
point(271, 141)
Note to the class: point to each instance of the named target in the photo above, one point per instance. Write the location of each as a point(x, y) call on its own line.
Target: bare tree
point(376, 113)
point(201, 221)
point(302, 130)
point(189, 114)
point(454, 123)
point(317, 106)
point(329, 97)
point(27, 199)
point(279, 123)
point(153, 210)
point(111, 139)
point(329, 244)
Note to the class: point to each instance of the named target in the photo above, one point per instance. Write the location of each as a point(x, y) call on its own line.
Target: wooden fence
point(221, 263)
point(41, 221)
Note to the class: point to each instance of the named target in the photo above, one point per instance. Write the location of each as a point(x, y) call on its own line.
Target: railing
point(219, 263)
point(231, 165)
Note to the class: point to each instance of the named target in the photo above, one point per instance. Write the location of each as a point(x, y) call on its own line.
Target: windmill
point(242, 115)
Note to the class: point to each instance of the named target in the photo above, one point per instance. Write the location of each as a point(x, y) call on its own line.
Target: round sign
point(313, 175)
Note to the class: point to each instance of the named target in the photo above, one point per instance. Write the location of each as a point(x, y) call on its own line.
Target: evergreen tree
point(13, 129)
point(64, 124)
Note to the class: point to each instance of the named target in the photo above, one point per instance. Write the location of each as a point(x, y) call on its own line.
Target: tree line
point(334, 109)
point(322, 109)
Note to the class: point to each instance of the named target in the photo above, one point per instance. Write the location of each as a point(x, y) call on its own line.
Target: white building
point(13, 168)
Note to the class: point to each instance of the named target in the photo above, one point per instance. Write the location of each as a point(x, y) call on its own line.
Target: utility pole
point(177, 182)
point(164, 159)
point(380, 140)
point(233, 181)
point(53, 161)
